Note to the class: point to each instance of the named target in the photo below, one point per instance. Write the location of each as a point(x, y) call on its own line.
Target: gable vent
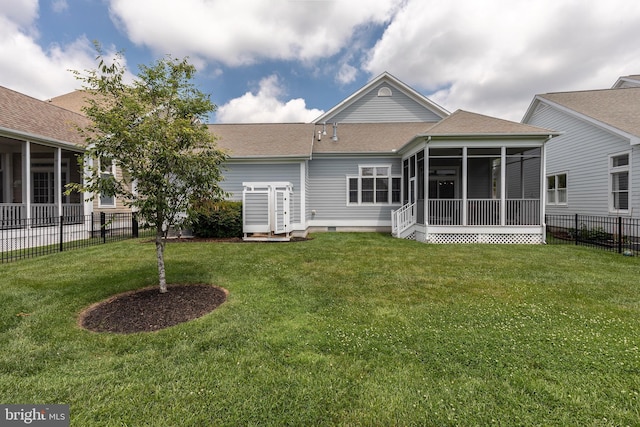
point(384, 91)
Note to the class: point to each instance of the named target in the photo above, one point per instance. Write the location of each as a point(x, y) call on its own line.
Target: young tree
point(153, 131)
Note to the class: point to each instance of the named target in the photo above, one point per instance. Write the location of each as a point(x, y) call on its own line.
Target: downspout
point(543, 189)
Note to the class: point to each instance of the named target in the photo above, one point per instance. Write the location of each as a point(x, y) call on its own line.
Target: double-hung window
point(374, 185)
point(619, 182)
point(557, 189)
point(107, 171)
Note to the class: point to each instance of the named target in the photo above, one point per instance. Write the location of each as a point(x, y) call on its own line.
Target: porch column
point(26, 178)
point(503, 185)
point(464, 185)
point(543, 191)
point(426, 186)
point(57, 162)
point(86, 173)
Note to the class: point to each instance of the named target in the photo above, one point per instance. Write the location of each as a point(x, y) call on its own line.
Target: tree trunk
point(160, 242)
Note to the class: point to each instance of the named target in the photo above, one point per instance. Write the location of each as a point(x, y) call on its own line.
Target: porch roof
point(22, 116)
point(465, 123)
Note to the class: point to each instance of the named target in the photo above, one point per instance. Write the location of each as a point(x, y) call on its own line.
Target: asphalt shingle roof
point(462, 123)
point(264, 140)
point(619, 108)
point(22, 113)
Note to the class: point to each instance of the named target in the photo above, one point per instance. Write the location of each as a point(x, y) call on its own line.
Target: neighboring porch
point(32, 185)
point(489, 192)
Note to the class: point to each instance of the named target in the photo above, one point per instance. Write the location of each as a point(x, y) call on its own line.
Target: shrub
point(217, 219)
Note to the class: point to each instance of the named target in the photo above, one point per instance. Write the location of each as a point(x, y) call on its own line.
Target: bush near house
point(217, 219)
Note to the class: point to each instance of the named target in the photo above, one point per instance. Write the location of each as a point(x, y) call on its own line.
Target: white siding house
point(593, 167)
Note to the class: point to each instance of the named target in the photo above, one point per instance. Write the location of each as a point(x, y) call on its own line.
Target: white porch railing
point(14, 214)
point(11, 214)
point(403, 218)
point(445, 212)
point(484, 212)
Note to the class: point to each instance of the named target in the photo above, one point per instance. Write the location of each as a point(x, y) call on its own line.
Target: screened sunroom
point(486, 189)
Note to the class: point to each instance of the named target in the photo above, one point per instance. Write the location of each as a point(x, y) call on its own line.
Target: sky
point(292, 60)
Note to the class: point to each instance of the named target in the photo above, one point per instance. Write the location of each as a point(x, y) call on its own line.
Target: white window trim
point(390, 176)
point(106, 171)
point(566, 189)
point(617, 169)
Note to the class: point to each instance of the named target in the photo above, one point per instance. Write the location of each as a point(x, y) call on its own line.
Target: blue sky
point(291, 60)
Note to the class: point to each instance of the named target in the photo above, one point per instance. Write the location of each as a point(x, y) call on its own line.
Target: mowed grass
point(343, 329)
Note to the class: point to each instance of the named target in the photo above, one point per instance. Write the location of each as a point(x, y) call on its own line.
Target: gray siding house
point(593, 167)
point(389, 159)
point(384, 159)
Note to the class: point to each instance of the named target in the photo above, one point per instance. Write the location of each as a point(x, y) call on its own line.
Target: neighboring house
point(389, 159)
point(593, 167)
point(39, 149)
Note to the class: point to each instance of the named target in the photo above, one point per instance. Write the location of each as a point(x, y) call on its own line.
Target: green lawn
point(344, 329)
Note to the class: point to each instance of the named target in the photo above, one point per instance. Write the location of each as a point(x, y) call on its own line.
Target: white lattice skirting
point(512, 239)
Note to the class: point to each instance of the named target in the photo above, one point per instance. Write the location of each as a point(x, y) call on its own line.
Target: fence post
point(61, 233)
point(619, 234)
point(134, 226)
point(103, 228)
point(576, 224)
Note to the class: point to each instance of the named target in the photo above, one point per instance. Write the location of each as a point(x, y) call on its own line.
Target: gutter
point(30, 137)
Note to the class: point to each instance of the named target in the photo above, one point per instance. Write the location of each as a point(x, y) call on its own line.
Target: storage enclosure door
point(282, 211)
point(266, 207)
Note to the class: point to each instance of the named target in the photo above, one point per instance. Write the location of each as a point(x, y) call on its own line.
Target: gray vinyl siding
point(237, 173)
point(582, 152)
point(372, 108)
point(328, 190)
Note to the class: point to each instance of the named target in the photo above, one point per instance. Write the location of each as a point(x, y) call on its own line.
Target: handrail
point(403, 218)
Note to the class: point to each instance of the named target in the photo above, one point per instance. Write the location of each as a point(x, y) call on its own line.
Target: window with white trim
point(557, 189)
point(619, 182)
point(374, 185)
point(107, 170)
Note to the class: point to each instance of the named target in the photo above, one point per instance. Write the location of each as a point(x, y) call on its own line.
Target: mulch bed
point(147, 310)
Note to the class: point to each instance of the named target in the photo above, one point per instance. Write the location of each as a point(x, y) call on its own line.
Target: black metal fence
point(29, 238)
point(615, 234)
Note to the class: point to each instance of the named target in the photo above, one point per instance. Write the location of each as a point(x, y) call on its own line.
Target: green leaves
point(152, 129)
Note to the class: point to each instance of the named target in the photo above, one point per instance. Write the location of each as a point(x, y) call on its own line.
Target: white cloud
point(244, 32)
point(494, 56)
point(41, 73)
point(59, 6)
point(22, 12)
point(266, 107)
point(347, 74)
point(27, 67)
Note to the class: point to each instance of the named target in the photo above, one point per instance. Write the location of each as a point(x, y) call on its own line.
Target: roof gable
point(384, 99)
point(627, 81)
point(617, 110)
